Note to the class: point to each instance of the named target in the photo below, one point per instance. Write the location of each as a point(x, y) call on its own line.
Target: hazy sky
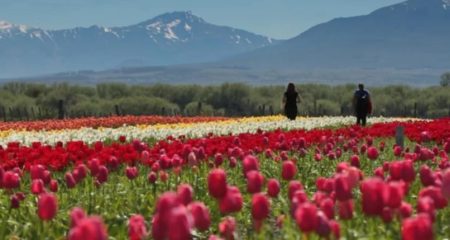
point(275, 18)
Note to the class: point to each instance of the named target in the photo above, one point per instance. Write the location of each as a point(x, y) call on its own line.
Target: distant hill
point(168, 39)
point(411, 35)
point(406, 43)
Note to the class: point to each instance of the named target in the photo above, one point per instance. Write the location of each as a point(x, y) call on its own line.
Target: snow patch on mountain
point(5, 25)
point(170, 33)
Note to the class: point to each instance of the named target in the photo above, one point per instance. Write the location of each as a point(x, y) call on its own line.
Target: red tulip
point(152, 177)
point(260, 206)
point(418, 228)
point(298, 199)
point(255, 181)
point(250, 163)
point(163, 218)
point(336, 229)
point(447, 146)
point(82, 170)
point(46, 176)
point(76, 215)
point(232, 202)
point(131, 172)
point(426, 205)
point(218, 159)
point(372, 153)
point(37, 186)
point(345, 209)
point(373, 196)
point(436, 194)
point(395, 192)
point(318, 197)
point(353, 176)
point(185, 193)
point(445, 188)
point(37, 171)
point(306, 217)
point(327, 206)
point(232, 162)
point(11, 180)
point(91, 228)
point(15, 202)
point(289, 170)
point(47, 206)
point(378, 172)
point(192, 159)
point(402, 170)
point(425, 136)
point(94, 165)
point(214, 237)
point(342, 188)
point(397, 151)
point(102, 174)
point(163, 176)
point(158, 228)
point(227, 227)
point(53, 185)
point(354, 161)
point(387, 215)
point(136, 228)
point(70, 181)
point(217, 183)
point(293, 187)
point(200, 214)
point(317, 157)
point(323, 226)
point(408, 171)
point(405, 210)
point(426, 175)
point(273, 187)
point(166, 202)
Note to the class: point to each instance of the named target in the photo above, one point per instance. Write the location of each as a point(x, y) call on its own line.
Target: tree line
point(39, 101)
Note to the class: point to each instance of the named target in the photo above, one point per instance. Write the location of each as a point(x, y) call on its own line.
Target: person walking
point(290, 100)
point(362, 105)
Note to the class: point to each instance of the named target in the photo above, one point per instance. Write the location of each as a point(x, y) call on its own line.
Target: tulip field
point(224, 178)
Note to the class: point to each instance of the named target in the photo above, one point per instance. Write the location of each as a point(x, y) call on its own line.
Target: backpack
point(362, 98)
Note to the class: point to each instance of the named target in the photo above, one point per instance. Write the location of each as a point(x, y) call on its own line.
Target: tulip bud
point(201, 216)
point(47, 206)
point(273, 187)
point(185, 193)
point(136, 228)
point(260, 206)
point(217, 183)
point(37, 186)
point(255, 181)
point(289, 170)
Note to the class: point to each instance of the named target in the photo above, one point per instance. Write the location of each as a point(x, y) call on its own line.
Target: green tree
point(445, 79)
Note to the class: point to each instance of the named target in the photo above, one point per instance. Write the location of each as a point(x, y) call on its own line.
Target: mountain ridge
point(412, 34)
point(167, 39)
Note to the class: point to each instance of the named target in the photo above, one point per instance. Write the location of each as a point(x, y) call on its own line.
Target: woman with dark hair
point(290, 100)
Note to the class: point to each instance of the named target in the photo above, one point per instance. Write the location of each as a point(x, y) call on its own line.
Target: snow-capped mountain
point(168, 39)
point(414, 34)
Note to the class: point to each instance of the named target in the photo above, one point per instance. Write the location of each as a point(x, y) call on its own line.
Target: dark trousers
point(361, 118)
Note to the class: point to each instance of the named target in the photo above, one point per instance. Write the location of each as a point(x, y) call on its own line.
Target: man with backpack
point(362, 105)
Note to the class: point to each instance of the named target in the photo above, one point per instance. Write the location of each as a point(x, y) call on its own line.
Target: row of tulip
point(94, 122)
point(189, 130)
